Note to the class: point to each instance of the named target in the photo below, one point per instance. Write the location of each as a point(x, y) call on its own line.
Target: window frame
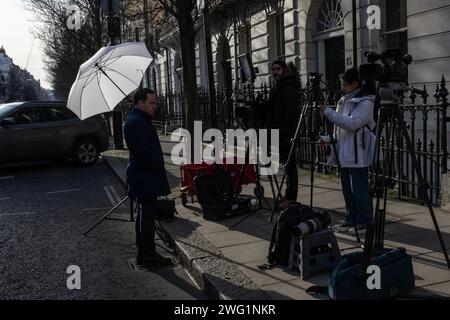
point(63, 109)
point(385, 33)
point(21, 110)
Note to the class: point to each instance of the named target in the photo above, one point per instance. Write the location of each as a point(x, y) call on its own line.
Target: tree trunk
point(187, 40)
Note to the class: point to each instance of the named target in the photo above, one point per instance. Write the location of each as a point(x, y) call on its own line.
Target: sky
point(15, 36)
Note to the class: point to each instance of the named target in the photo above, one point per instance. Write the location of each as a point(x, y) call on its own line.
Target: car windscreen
point(6, 108)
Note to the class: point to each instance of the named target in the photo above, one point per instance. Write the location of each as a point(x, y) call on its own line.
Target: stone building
point(316, 35)
point(17, 84)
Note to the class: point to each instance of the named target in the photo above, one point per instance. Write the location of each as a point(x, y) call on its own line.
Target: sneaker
point(361, 230)
point(154, 259)
point(343, 227)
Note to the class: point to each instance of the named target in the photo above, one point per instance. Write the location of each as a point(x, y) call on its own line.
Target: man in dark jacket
point(283, 114)
point(146, 174)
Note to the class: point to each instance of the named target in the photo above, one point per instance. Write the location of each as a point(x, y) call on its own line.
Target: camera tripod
point(258, 190)
point(390, 117)
point(313, 99)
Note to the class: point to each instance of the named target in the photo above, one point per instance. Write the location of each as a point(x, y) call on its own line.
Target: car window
point(26, 116)
point(7, 107)
point(57, 114)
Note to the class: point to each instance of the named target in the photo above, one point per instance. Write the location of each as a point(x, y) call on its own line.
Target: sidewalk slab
point(427, 273)
point(440, 290)
point(225, 262)
point(269, 276)
point(247, 252)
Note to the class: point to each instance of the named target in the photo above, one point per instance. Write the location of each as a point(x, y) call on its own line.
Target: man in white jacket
point(354, 124)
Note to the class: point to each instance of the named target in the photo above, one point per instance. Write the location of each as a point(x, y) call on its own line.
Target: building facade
point(17, 84)
point(316, 35)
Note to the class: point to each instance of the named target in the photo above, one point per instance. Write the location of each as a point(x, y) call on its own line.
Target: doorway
point(334, 61)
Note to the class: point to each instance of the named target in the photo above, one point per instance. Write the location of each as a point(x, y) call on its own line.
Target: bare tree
point(186, 13)
point(65, 49)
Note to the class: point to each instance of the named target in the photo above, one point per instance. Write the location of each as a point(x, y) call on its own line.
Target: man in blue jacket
point(146, 174)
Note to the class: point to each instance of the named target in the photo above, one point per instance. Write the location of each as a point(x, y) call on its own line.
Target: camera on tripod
point(315, 79)
point(392, 75)
point(251, 113)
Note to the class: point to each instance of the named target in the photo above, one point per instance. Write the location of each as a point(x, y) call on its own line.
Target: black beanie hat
point(351, 75)
point(280, 63)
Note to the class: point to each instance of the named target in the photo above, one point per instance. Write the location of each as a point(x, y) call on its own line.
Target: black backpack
point(165, 209)
point(213, 190)
point(280, 242)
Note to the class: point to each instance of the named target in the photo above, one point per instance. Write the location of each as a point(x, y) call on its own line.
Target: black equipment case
point(216, 197)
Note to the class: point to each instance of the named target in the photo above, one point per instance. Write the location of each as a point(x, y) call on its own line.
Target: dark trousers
point(291, 174)
point(355, 187)
point(145, 227)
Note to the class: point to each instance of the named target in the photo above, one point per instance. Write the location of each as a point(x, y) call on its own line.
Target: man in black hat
point(283, 114)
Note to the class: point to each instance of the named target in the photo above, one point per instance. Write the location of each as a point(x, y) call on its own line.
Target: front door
point(334, 60)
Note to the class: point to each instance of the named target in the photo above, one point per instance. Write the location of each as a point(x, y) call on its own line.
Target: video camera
point(251, 113)
point(315, 78)
point(392, 75)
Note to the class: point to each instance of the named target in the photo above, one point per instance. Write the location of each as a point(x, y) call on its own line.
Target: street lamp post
point(112, 7)
point(147, 39)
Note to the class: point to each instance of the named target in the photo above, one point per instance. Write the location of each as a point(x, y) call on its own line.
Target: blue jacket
point(146, 174)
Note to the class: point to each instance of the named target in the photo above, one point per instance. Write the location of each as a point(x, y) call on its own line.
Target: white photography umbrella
point(107, 78)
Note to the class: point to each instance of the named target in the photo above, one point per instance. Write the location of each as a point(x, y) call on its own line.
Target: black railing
point(172, 110)
point(426, 124)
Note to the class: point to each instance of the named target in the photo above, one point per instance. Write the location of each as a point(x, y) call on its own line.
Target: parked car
point(48, 130)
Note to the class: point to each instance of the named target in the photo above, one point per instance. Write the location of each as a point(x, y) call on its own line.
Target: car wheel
point(86, 152)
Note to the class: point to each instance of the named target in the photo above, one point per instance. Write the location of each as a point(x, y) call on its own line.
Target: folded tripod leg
point(109, 212)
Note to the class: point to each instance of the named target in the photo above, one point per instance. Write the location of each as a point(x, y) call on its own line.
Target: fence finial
point(425, 94)
point(413, 96)
point(443, 92)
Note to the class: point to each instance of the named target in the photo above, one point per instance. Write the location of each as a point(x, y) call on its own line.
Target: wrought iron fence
point(172, 107)
point(426, 124)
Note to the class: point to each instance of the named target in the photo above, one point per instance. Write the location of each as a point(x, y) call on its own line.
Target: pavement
point(224, 262)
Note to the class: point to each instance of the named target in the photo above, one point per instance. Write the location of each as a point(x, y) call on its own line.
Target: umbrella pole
point(101, 69)
point(117, 118)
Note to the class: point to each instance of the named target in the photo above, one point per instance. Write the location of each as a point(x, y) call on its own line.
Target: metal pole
point(117, 113)
point(236, 71)
point(443, 97)
point(136, 36)
point(209, 67)
point(355, 36)
point(147, 37)
point(168, 89)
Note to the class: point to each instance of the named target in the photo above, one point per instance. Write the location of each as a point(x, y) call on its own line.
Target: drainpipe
point(355, 36)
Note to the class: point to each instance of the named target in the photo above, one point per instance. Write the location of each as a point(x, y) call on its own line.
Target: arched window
point(330, 15)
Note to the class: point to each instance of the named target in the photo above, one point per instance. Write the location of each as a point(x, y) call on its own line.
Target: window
point(395, 26)
point(277, 42)
point(57, 114)
point(26, 116)
point(279, 18)
point(330, 16)
point(245, 39)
